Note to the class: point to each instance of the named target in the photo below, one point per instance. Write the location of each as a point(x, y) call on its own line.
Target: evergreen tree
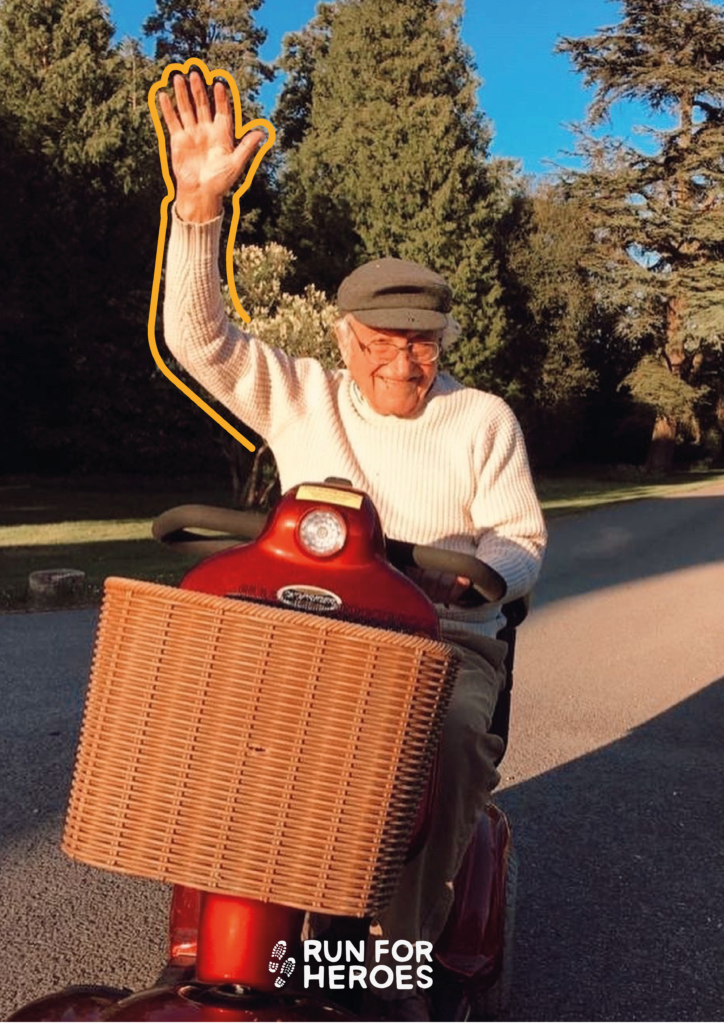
point(66, 132)
point(394, 158)
point(545, 371)
point(222, 33)
point(59, 83)
point(659, 218)
point(79, 199)
point(301, 53)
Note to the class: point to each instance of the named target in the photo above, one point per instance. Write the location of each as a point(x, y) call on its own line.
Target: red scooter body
point(321, 550)
point(278, 569)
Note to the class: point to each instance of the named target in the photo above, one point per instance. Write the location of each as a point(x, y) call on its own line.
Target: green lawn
point(104, 526)
point(100, 526)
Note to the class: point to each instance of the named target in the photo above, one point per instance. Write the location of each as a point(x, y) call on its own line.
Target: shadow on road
point(621, 913)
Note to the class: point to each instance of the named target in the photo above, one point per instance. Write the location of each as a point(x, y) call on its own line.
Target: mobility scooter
point(263, 738)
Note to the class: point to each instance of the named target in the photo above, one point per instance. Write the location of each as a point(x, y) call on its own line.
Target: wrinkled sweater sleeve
point(264, 387)
point(506, 511)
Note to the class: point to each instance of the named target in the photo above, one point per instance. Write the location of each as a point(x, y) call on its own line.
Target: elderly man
point(444, 464)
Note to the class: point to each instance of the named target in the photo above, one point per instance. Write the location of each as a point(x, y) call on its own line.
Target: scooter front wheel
point(193, 1002)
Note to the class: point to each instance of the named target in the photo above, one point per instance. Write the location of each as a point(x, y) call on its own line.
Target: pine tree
point(659, 217)
point(58, 69)
point(222, 33)
point(301, 53)
point(67, 133)
point(394, 158)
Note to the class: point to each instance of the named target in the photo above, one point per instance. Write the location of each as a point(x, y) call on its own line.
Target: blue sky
point(529, 94)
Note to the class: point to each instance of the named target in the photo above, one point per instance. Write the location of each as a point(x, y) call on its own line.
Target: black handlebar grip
point(174, 528)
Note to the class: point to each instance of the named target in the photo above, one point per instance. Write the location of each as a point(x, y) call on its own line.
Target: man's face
point(393, 388)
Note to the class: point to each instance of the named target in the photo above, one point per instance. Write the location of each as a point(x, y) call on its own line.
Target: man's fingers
point(442, 588)
point(460, 587)
point(221, 100)
point(246, 150)
point(183, 102)
point(168, 113)
point(201, 99)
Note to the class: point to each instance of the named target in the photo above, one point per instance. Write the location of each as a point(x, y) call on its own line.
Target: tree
point(301, 53)
point(66, 131)
point(56, 64)
point(222, 33)
point(393, 159)
point(547, 370)
point(80, 193)
point(659, 218)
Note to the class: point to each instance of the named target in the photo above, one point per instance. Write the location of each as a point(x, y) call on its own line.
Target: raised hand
point(205, 157)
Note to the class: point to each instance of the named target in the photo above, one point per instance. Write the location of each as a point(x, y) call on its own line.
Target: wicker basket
point(252, 750)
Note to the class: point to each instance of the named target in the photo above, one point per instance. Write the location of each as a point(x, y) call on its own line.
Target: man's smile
point(398, 380)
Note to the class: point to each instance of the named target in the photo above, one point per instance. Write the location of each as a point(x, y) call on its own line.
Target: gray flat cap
point(396, 294)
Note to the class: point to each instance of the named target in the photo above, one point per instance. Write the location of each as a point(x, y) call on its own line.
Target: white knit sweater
point(455, 476)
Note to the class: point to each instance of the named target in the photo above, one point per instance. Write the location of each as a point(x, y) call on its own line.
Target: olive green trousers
point(467, 776)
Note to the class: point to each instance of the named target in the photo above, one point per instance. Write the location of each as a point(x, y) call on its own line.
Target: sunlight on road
point(591, 667)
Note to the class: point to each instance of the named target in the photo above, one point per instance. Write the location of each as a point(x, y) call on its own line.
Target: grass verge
point(567, 495)
point(102, 527)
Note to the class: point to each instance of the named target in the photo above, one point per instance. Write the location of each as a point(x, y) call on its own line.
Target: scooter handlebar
point(175, 528)
point(486, 581)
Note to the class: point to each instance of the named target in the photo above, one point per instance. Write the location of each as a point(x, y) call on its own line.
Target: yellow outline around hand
point(239, 131)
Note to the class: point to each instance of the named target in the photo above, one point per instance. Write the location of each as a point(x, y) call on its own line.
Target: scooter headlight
point(322, 532)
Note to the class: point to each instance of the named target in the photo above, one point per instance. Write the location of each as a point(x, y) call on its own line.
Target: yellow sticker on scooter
point(309, 492)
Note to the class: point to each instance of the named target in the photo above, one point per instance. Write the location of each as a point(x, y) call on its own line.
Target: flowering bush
point(299, 324)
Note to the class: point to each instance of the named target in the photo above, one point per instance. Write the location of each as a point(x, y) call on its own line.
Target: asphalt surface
point(613, 780)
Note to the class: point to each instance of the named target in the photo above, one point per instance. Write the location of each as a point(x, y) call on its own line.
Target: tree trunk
point(252, 486)
point(255, 481)
point(240, 461)
point(719, 457)
point(660, 459)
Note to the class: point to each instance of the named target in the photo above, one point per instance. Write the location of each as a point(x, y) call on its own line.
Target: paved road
point(613, 781)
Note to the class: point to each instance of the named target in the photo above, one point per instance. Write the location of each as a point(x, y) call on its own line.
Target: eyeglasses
point(379, 351)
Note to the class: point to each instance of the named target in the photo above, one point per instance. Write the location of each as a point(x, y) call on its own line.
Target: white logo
point(309, 599)
point(278, 963)
point(337, 967)
point(345, 964)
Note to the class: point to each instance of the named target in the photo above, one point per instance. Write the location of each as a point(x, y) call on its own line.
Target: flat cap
point(396, 294)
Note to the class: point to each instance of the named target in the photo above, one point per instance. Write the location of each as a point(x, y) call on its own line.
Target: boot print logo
point(285, 967)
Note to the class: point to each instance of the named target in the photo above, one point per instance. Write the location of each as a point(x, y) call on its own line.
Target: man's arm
point(505, 509)
point(264, 387)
